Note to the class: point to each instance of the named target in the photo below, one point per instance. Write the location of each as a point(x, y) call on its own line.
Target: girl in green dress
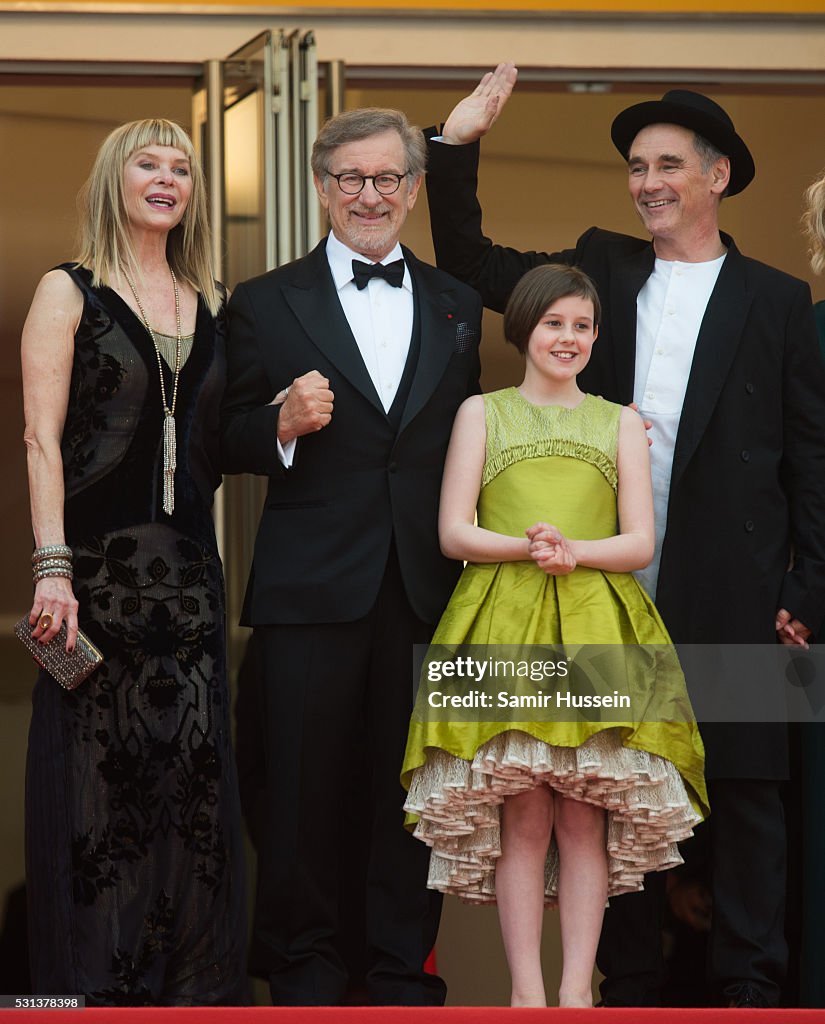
point(572, 812)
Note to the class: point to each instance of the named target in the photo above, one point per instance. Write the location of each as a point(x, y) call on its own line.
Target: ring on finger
point(45, 621)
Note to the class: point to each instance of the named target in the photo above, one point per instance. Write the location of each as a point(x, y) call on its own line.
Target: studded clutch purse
point(68, 669)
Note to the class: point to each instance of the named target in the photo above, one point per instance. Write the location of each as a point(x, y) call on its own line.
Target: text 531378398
point(42, 1002)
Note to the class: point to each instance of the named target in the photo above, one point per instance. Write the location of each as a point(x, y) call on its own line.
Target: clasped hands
point(550, 550)
point(306, 406)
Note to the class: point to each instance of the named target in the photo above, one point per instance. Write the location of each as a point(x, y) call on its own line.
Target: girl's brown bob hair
point(539, 289)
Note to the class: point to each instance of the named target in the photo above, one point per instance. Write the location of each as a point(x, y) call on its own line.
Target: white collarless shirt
point(669, 312)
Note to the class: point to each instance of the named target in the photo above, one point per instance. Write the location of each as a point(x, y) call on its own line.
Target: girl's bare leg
point(580, 836)
point(526, 824)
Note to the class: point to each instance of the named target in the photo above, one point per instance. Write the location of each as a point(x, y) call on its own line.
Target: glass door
point(255, 120)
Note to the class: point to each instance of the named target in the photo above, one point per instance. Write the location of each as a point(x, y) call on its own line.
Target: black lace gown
point(133, 836)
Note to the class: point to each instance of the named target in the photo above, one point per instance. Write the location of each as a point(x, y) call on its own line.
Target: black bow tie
point(393, 273)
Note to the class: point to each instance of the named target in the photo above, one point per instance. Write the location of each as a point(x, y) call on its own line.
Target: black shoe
point(746, 995)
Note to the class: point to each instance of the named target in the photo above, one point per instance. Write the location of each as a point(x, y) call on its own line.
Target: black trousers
point(747, 942)
point(327, 688)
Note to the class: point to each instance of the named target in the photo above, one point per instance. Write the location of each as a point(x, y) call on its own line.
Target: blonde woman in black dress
point(134, 857)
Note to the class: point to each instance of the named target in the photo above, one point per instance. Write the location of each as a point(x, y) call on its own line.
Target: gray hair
point(355, 125)
point(708, 154)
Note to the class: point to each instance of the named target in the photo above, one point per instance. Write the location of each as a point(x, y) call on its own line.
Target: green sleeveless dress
point(556, 465)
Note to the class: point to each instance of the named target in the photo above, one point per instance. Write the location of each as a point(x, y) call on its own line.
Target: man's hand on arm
point(473, 116)
point(791, 631)
point(648, 423)
point(306, 408)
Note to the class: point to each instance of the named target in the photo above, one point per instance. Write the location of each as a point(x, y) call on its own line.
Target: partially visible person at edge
point(814, 224)
point(719, 352)
point(374, 352)
point(812, 978)
point(133, 841)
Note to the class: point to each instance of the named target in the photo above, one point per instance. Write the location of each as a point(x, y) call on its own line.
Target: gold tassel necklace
point(169, 439)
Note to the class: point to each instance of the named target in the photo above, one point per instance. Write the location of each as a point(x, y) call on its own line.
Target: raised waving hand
point(473, 116)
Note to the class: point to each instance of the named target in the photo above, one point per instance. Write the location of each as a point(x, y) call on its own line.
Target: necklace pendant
point(169, 440)
point(169, 463)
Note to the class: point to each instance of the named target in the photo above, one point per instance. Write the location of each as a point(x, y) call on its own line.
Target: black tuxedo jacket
point(748, 479)
point(328, 521)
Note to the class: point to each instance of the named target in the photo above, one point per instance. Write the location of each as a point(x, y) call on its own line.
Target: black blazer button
point(748, 526)
point(745, 455)
point(392, 467)
point(749, 388)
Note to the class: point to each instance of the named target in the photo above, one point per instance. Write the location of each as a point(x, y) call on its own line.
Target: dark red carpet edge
point(411, 1015)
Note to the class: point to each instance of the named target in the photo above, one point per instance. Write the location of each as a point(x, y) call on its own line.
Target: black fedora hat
point(698, 113)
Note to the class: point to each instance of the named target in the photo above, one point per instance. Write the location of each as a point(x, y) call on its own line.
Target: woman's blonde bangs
point(154, 131)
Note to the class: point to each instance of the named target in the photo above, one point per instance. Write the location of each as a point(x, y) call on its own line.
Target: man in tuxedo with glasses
point(345, 370)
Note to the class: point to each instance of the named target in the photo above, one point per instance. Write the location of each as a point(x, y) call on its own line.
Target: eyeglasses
point(351, 184)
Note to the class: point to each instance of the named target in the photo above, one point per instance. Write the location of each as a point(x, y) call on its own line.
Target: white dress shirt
point(380, 318)
point(669, 312)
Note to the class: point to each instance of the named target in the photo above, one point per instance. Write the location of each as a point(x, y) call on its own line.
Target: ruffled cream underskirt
point(458, 804)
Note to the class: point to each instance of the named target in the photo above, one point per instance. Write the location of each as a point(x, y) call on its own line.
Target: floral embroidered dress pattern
point(133, 846)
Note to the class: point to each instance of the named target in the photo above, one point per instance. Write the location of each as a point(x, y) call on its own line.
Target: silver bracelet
point(42, 574)
point(52, 563)
point(51, 551)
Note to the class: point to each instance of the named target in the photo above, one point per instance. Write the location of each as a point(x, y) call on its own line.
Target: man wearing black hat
point(719, 352)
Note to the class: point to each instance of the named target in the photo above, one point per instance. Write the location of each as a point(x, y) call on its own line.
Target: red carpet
point(413, 1015)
